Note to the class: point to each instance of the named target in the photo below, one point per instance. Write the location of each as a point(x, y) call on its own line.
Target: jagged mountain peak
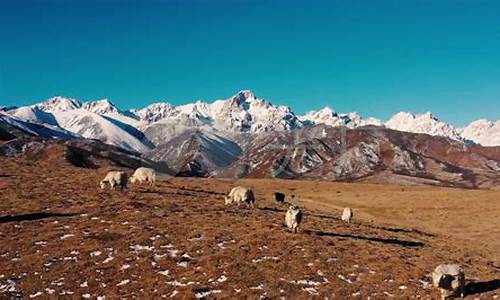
point(325, 111)
point(245, 112)
point(484, 132)
point(242, 101)
point(58, 103)
point(422, 123)
point(156, 112)
point(330, 117)
point(103, 106)
point(408, 115)
point(244, 95)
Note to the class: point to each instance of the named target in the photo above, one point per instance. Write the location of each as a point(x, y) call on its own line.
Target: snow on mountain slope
point(106, 108)
point(34, 115)
point(358, 121)
point(167, 129)
point(156, 112)
point(422, 123)
point(100, 107)
point(484, 132)
point(94, 126)
point(58, 104)
point(245, 113)
point(99, 119)
point(242, 112)
point(329, 117)
point(38, 129)
point(196, 152)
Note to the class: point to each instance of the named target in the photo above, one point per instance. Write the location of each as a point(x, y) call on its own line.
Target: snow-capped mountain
point(37, 128)
point(329, 117)
point(484, 132)
point(58, 104)
point(70, 116)
point(422, 123)
point(100, 120)
point(156, 112)
point(94, 126)
point(100, 107)
point(33, 114)
point(242, 112)
point(246, 113)
point(196, 153)
point(140, 130)
point(247, 136)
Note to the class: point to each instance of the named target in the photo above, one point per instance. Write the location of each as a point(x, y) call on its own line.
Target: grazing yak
point(143, 174)
point(240, 195)
point(279, 197)
point(115, 179)
point(347, 215)
point(450, 279)
point(293, 217)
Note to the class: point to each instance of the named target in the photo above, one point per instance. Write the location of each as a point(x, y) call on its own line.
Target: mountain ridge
point(244, 135)
point(245, 112)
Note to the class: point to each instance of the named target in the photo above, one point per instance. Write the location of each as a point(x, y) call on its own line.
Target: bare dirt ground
point(63, 237)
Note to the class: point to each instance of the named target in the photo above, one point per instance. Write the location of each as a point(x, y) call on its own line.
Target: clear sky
point(373, 57)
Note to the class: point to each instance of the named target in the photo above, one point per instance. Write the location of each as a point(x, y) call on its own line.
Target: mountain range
point(247, 136)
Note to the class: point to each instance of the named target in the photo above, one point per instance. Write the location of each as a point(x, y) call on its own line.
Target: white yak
point(115, 179)
point(293, 217)
point(240, 195)
point(143, 174)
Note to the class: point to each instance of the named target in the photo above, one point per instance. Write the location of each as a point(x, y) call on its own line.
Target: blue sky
point(373, 57)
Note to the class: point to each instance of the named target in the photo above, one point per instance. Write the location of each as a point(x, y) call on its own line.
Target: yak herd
point(450, 279)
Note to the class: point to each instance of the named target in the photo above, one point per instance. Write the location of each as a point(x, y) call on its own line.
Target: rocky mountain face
point(367, 153)
point(247, 136)
point(34, 142)
point(196, 153)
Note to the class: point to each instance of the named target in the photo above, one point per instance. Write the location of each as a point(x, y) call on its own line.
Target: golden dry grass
point(399, 235)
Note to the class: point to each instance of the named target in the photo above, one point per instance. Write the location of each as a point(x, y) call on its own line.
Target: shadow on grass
point(391, 229)
point(390, 241)
point(34, 216)
point(482, 287)
point(273, 209)
point(7, 175)
point(411, 230)
point(178, 191)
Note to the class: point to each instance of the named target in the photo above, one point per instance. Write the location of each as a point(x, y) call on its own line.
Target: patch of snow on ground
point(123, 282)
point(95, 253)
point(310, 290)
point(66, 236)
point(178, 283)
point(107, 260)
point(265, 258)
point(204, 294)
point(36, 294)
point(175, 292)
point(259, 287)
point(138, 248)
point(342, 277)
